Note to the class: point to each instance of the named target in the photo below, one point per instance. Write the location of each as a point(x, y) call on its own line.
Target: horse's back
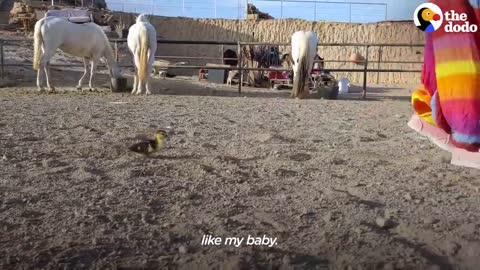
point(133, 38)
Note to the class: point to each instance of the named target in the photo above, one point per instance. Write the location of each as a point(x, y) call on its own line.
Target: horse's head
point(114, 69)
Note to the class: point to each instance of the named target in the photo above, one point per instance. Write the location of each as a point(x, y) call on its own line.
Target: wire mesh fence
point(313, 10)
point(230, 9)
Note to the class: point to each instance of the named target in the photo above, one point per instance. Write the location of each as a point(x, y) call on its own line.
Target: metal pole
point(1, 57)
point(116, 51)
point(240, 68)
point(380, 50)
point(223, 50)
point(350, 12)
point(365, 73)
point(238, 10)
point(281, 9)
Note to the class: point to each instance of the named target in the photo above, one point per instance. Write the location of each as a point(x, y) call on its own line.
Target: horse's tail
point(38, 40)
point(301, 74)
point(143, 49)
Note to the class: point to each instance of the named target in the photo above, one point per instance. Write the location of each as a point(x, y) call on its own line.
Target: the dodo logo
point(428, 17)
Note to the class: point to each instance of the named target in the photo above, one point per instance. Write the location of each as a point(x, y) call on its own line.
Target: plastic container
point(343, 85)
point(119, 85)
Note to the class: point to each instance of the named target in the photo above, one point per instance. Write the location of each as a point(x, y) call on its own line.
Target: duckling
point(146, 147)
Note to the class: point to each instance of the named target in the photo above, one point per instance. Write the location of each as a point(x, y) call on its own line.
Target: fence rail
point(364, 70)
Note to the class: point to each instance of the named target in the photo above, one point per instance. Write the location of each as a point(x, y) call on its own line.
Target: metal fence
point(365, 70)
point(338, 11)
point(184, 8)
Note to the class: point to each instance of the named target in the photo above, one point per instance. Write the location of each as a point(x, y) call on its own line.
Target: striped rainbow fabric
point(451, 79)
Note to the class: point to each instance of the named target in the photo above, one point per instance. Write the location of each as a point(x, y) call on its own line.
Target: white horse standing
point(304, 49)
point(83, 40)
point(142, 42)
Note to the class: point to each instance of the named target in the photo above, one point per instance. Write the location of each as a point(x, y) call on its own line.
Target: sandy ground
point(340, 184)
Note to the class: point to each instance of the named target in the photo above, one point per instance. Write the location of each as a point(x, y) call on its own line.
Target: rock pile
point(254, 13)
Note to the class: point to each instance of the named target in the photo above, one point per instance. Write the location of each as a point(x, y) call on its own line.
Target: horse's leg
point(43, 62)
point(39, 79)
point(47, 73)
point(136, 79)
point(93, 66)
point(135, 82)
point(85, 67)
point(147, 80)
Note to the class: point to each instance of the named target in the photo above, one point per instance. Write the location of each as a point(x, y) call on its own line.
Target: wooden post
point(365, 73)
point(240, 68)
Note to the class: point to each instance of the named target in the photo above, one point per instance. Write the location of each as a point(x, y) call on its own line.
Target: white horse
point(304, 49)
point(83, 40)
point(142, 42)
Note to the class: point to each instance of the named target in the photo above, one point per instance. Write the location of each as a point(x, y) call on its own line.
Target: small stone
point(77, 109)
point(384, 223)
point(430, 220)
point(389, 266)
point(4, 157)
point(474, 187)
point(30, 151)
point(193, 134)
point(408, 197)
point(182, 249)
point(390, 213)
point(452, 248)
point(329, 217)
point(359, 230)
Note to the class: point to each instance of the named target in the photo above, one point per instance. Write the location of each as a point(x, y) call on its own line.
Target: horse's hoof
point(79, 87)
point(148, 93)
point(92, 89)
point(51, 90)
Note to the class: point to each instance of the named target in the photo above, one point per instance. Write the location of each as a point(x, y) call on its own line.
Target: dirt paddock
point(341, 184)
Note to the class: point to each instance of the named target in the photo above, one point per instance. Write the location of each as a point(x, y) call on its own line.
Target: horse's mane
point(142, 18)
point(108, 47)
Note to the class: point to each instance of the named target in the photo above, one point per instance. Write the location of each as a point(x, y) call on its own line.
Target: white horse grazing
point(304, 49)
point(142, 42)
point(83, 40)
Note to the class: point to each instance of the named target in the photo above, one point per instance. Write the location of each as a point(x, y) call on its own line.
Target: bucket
point(118, 85)
point(328, 92)
point(343, 85)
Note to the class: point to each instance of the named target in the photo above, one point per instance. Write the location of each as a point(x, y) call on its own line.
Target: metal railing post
point(240, 67)
point(1, 58)
point(222, 48)
point(380, 52)
point(364, 95)
point(116, 51)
